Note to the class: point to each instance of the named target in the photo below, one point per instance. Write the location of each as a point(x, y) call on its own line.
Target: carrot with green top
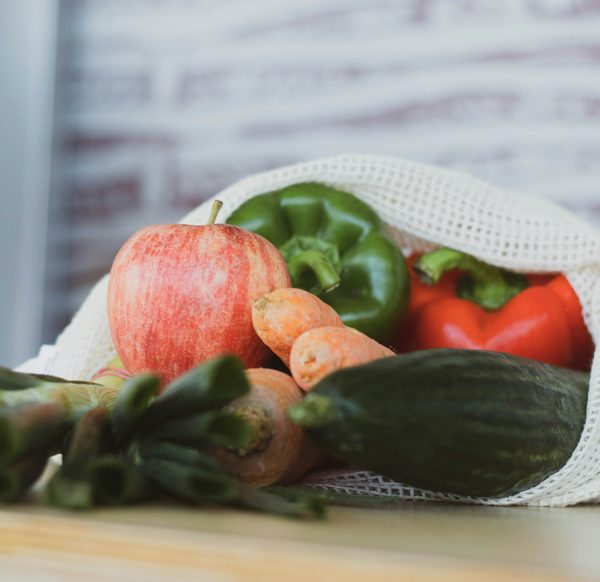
point(283, 315)
point(319, 352)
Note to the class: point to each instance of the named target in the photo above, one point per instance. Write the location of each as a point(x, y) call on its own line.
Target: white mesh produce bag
point(425, 207)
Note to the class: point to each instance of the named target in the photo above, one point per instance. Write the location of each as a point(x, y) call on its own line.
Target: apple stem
point(216, 206)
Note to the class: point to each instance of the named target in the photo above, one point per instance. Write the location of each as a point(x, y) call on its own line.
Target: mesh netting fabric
point(424, 207)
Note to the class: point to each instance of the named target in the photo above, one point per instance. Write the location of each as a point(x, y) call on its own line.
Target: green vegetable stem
point(128, 444)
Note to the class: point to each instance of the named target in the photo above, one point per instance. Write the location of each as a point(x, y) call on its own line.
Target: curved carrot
point(279, 451)
point(281, 316)
point(318, 352)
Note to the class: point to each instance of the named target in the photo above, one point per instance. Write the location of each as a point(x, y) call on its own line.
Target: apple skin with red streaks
point(180, 294)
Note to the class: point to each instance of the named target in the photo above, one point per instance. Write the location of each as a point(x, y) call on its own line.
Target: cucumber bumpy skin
point(468, 422)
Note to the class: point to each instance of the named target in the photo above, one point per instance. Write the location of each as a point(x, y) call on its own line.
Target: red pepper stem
point(484, 284)
point(315, 261)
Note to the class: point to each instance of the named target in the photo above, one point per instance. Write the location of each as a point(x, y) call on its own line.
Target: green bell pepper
point(335, 247)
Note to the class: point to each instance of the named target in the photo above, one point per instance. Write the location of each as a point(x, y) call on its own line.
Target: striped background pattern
point(161, 103)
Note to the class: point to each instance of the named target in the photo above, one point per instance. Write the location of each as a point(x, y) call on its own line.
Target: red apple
point(179, 294)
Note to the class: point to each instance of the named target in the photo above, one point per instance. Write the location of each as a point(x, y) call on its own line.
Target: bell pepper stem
point(315, 261)
point(484, 284)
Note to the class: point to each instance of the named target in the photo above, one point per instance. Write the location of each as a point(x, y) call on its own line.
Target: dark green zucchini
point(468, 422)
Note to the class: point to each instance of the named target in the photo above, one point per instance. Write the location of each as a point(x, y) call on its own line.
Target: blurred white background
point(158, 104)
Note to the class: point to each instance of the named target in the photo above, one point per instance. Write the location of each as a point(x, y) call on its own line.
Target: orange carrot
point(318, 352)
point(281, 316)
point(279, 451)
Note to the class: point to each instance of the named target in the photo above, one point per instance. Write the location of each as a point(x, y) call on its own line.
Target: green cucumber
point(468, 422)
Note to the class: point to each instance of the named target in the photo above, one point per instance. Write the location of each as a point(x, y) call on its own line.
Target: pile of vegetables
point(127, 444)
point(297, 336)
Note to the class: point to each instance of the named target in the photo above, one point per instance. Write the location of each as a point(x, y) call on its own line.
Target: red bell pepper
point(458, 301)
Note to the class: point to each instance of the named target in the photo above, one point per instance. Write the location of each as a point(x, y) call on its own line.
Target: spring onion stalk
point(270, 502)
point(116, 481)
point(191, 474)
point(179, 454)
point(16, 478)
point(11, 380)
point(75, 398)
point(127, 444)
point(87, 440)
point(70, 486)
point(223, 429)
point(213, 384)
point(132, 402)
point(27, 427)
point(191, 483)
point(69, 492)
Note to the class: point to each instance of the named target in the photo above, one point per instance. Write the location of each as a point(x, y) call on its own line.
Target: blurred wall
point(161, 103)
point(27, 53)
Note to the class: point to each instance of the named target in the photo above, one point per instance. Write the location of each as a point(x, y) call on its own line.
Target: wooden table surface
point(415, 541)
